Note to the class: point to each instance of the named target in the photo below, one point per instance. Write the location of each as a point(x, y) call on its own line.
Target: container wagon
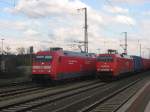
point(137, 64)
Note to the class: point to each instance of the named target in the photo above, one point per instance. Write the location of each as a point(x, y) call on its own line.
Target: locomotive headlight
point(36, 67)
point(98, 69)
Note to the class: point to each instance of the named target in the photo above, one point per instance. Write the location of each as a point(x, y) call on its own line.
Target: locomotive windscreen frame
point(105, 59)
point(43, 58)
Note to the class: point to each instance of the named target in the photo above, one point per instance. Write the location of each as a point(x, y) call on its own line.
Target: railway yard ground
point(11, 81)
point(129, 94)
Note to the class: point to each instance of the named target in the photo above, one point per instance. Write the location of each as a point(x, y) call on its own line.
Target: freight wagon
point(146, 64)
point(114, 65)
point(137, 64)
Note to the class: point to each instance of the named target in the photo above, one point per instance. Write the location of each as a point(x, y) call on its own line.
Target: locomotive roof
point(72, 53)
point(117, 55)
point(127, 56)
point(136, 56)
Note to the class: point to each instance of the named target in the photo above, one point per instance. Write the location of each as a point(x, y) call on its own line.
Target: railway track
point(18, 88)
point(83, 97)
point(28, 89)
point(9, 94)
point(82, 103)
point(86, 100)
point(45, 97)
point(115, 100)
point(14, 84)
point(21, 89)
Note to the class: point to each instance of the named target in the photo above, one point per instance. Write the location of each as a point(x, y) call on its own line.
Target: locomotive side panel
point(68, 67)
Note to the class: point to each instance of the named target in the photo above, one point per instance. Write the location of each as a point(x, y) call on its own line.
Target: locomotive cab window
point(43, 58)
point(105, 59)
point(48, 58)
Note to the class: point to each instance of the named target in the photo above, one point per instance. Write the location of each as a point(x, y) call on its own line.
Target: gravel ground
point(23, 74)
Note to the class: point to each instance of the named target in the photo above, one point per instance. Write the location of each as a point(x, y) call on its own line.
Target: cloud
point(43, 8)
point(31, 33)
point(51, 23)
point(146, 13)
point(144, 26)
point(118, 15)
point(18, 25)
point(131, 1)
point(124, 19)
point(19, 33)
point(115, 9)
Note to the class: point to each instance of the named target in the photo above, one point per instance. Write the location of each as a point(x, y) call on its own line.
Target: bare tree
point(21, 50)
point(0, 50)
point(8, 50)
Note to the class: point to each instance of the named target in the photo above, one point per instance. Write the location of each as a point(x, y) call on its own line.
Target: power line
point(8, 3)
point(117, 11)
point(138, 33)
point(131, 25)
point(149, 52)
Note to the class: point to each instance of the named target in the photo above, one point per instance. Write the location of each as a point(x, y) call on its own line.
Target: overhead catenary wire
point(127, 21)
point(12, 2)
point(139, 34)
point(129, 24)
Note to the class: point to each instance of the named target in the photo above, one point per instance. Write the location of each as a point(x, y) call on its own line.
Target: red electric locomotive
point(57, 64)
point(113, 65)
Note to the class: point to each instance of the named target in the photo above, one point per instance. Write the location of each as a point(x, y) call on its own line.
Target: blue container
point(138, 63)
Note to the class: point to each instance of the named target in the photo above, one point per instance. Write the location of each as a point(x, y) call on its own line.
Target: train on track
point(57, 64)
point(115, 65)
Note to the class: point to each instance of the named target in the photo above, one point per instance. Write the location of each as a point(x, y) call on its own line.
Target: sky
point(51, 23)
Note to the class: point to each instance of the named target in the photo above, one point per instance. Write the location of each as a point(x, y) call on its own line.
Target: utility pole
point(126, 43)
point(99, 50)
point(2, 45)
point(140, 45)
point(2, 60)
point(149, 52)
point(140, 50)
point(143, 53)
point(85, 30)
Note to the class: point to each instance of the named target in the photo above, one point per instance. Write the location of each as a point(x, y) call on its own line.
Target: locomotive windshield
point(43, 58)
point(105, 59)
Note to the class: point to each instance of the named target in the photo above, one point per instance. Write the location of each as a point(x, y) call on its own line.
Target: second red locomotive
point(113, 65)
